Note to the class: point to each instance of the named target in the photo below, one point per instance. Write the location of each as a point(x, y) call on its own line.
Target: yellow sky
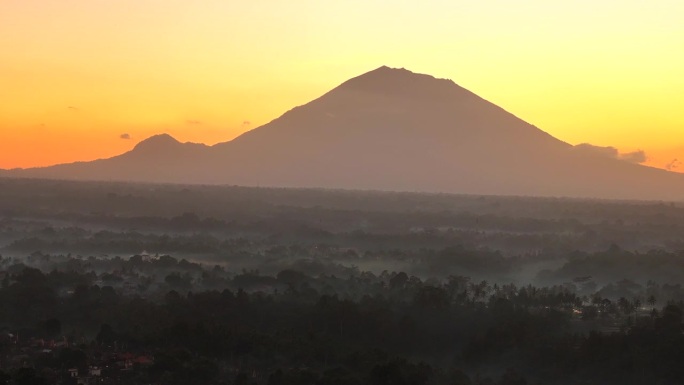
point(75, 75)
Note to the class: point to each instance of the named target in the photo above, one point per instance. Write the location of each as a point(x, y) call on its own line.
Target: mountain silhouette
point(389, 129)
point(157, 159)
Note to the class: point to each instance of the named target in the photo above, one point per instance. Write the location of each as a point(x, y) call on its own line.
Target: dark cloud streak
point(673, 165)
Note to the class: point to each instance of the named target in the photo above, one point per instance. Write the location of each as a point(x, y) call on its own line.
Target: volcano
point(388, 129)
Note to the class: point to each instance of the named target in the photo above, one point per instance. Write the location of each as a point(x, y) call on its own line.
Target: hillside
point(389, 129)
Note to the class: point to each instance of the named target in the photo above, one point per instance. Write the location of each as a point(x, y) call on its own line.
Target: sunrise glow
point(81, 80)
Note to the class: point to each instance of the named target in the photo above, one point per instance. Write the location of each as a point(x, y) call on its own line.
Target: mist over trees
point(168, 284)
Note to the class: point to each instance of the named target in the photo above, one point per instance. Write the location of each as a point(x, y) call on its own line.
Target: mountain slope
point(390, 129)
point(160, 158)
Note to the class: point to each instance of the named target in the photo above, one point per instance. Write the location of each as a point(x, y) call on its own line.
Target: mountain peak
point(385, 73)
point(387, 69)
point(157, 142)
point(400, 81)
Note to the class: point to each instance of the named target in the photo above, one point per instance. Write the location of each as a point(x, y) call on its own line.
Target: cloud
point(674, 164)
point(125, 136)
point(611, 152)
point(638, 156)
point(193, 122)
point(590, 149)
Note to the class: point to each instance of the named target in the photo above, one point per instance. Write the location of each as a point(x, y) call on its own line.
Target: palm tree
point(636, 305)
point(625, 305)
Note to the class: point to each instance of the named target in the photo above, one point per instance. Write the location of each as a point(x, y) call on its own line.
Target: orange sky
point(76, 75)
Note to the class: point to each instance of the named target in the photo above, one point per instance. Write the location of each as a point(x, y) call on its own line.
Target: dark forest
point(112, 283)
